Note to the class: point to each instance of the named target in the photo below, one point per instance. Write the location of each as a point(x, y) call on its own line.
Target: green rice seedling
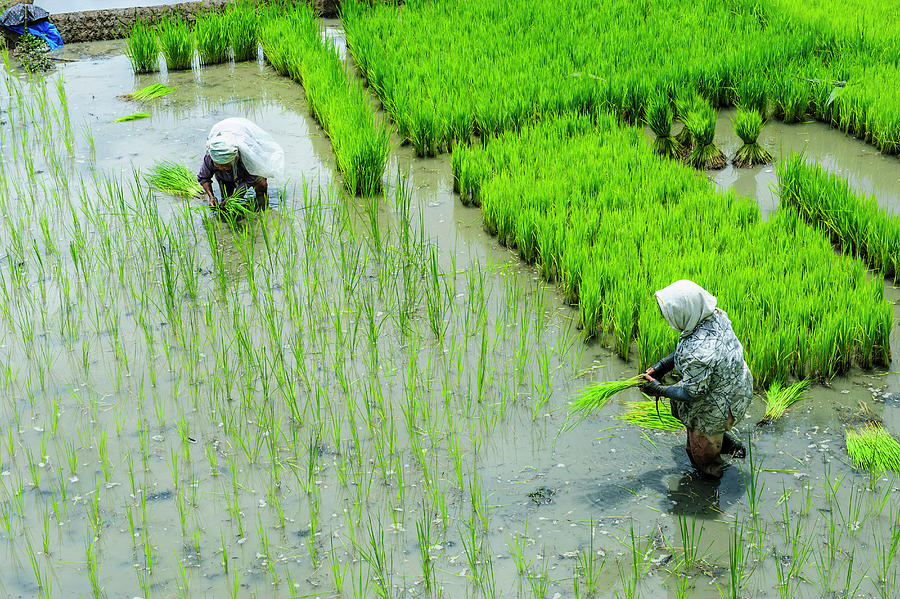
point(701, 123)
point(871, 447)
point(173, 178)
point(142, 48)
point(658, 118)
point(592, 399)
point(779, 398)
point(651, 414)
point(176, 40)
point(750, 94)
point(151, 92)
point(132, 117)
point(212, 38)
point(747, 124)
point(241, 23)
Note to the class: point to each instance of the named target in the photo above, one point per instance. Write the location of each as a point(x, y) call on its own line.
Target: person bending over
point(716, 385)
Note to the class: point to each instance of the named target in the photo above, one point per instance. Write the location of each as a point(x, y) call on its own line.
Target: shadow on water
point(683, 491)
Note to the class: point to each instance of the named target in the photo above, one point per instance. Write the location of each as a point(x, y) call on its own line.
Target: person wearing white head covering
point(240, 156)
point(716, 385)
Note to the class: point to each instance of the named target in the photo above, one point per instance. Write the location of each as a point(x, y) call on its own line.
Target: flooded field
point(362, 397)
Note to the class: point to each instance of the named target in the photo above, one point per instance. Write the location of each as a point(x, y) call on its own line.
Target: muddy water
point(603, 472)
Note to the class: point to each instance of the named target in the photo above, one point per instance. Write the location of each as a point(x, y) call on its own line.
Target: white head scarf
point(684, 304)
point(222, 148)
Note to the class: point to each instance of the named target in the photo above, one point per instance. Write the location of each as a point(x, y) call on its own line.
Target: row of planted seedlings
point(293, 45)
point(215, 36)
point(445, 71)
point(268, 410)
point(290, 407)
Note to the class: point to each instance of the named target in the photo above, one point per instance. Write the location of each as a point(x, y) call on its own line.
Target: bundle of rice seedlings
point(651, 414)
point(141, 48)
point(747, 124)
point(241, 23)
point(212, 38)
point(173, 178)
point(684, 105)
point(750, 94)
point(151, 92)
point(592, 399)
point(872, 448)
point(176, 40)
point(132, 117)
point(701, 122)
point(779, 398)
point(658, 117)
point(233, 208)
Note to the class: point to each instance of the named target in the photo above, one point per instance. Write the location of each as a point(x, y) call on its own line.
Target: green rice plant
point(779, 398)
point(592, 399)
point(173, 178)
point(176, 40)
point(872, 448)
point(702, 125)
point(857, 224)
point(151, 92)
point(750, 94)
point(142, 48)
point(132, 117)
point(747, 124)
point(241, 22)
point(651, 414)
point(658, 118)
point(212, 37)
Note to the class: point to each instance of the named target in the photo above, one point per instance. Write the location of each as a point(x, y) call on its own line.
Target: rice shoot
point(659, 119)
point(151, 92)
point(212, 38)
point(873, 448)
point(779, 398)
point(132, 117)
point(701, 122)
point(173, 178)
point(651, 414)
point(141, 48)
point(592, 399)
point(747, 124)
point(176, 40)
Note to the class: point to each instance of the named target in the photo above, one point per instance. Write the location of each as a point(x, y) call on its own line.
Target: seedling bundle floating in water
point(651, 414)
point(132, 117)
point(780, 398)
point(872, 448)
point(151, 92)
point(747, 124)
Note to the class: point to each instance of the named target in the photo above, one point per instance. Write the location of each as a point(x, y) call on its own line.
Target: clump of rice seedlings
point(750, 94)
point(141, 48)
point(659, 118)
point(747, 124)
point(684, 105)
point(212, 38)
point(151, 92)
point(176, 40)
point(779, 398)
point(173, 178)
point(701, 122)
point(651, 414)
point(873, 448)
point(592, 399)
point(132, 117)
point(233, 208)
point(241, 23)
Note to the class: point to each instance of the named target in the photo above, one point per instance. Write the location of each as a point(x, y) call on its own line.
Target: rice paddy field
point(362, 391)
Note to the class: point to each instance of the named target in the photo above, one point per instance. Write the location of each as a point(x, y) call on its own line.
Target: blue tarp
point(43, 29)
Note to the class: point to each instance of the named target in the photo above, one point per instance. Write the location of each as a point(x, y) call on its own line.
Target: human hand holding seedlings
point(207, 187)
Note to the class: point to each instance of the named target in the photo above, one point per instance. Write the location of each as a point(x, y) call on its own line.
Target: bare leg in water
point(704, 450)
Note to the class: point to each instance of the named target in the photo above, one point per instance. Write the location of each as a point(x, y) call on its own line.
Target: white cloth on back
point(261, 154)
point(684, 304)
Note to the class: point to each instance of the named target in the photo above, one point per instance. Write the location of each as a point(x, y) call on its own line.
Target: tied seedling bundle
point(747, 124)
point(175, 179)
point(873, 448)
point(151, 92)
point(132, 117)
point(176, 40)
point(242, 23)
point(659, 119)
point(780, 398)
point(701, 122)
point(212, 38)
point(651, 414)
point(592, 399)
point(142, 48)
